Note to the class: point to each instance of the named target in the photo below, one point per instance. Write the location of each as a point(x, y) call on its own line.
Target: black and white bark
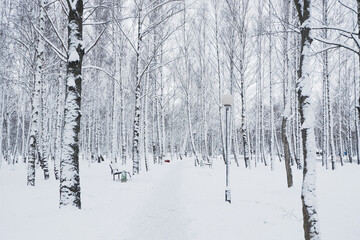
point(308, 193)
point(286, 98)
point(218, 73)
point(271, 91)
point(339, 114)
point(59, 121)
point(137, 112)
point(69, 164)
point(326, 81)
point(35, 140)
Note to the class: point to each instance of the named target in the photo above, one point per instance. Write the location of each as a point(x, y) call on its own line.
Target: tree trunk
point(59, 123)
point(145, 120)
point(286, 152)
point(69, 164)
point(271, 94)
point(122, 120)
point(357, 113)
point(2, 105)
point(325, 144)
point(36, 104)
point(286, 93)
point(154, 128)
point(159, 133)
point(349, 117)
point(219, 82)
point(137, 112)
point(43, 132)
point(23, 138)
point(358, 106)
point(243, 124)
point(192, 141)
point(308, 193)
point(339, 114)
point(136, 132)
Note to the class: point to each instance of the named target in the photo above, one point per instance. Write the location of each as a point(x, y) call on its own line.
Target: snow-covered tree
point(69, 164)
point(308, 193)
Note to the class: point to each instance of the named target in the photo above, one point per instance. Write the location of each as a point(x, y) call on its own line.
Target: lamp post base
point(227, 195)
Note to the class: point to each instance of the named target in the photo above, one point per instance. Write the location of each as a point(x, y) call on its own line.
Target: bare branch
point(156, 7)
point(339, 44)
point(50, 3)
point(56, 31)
point(104, 71)
point(334, 28)
point(96, 23)
point(61, 55)
point(326, 49)
point(127, 38)
point(95, 42)
point(346, 6)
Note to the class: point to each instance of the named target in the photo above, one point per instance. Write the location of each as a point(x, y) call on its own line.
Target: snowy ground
point(179, 201)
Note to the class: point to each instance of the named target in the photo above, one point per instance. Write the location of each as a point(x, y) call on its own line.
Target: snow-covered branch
point(60, 54)
point(339, 44)
point(88, 49)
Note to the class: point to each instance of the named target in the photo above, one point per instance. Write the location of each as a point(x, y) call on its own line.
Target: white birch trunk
point(192, 141)
point(136, 131)
point(137, 112)
point(325, 128)
point(145, 126)
point(43, 124)
point(113, 141)
point(339, 114)
point(23, 138)
point(220, 92)
point(154, 124)
point(36, 103)
point(159, 133)
point(271, 94)
point(308, 193)
point(356, 119)
point(328, 96)
point(286, 99)
point(59, 121)
point(349, 118)
point(122, 120)
point(69, 164)
point(2, 105)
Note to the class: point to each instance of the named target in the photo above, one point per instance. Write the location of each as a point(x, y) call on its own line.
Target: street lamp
point(227, 101)
point(195, 159)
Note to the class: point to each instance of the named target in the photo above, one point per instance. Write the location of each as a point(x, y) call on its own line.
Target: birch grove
point(138, 83)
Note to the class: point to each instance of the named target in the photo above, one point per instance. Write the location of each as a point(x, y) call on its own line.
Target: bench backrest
point(113, 168)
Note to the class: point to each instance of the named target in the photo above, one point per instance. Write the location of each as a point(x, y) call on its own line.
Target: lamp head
point(227, 99)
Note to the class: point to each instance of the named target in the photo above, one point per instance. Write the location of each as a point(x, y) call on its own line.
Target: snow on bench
point(116, 172)
point(207, 163)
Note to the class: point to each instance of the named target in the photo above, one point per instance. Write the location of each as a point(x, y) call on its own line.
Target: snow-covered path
point(161, 214)
point(178, 201)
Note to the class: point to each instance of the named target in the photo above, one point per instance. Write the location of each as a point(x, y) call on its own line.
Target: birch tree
point(142, 63)
point(69, 164)
point(286, 96)
point(216, 8)
point(308, 193)
point(328, 102)
point(34, 144)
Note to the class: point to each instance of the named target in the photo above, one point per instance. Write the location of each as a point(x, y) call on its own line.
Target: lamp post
point(195, 159)
point(227, 101)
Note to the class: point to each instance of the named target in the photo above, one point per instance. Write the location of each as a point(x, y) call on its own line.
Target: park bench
point(208, 163)
point(116, 172)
